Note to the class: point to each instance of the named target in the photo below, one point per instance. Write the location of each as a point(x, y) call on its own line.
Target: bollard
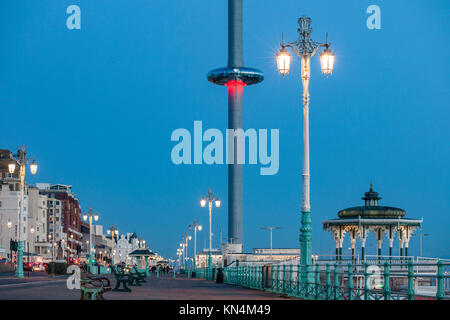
point(350, 282)
point(387, 286)
point(411, 290)
point(328, 282)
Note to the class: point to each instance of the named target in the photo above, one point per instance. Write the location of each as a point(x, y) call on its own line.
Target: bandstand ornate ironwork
point(360, 221)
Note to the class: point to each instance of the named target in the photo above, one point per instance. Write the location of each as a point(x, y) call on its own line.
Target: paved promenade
point(42, 287)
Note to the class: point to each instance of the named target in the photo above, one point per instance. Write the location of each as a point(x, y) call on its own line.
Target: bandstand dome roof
point(371, 209)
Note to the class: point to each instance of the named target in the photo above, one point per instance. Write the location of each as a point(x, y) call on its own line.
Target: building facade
point(64, 214)
point(10, 205)
point(38, 223)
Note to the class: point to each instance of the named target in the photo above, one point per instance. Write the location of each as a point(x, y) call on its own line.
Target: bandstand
point(381, 220)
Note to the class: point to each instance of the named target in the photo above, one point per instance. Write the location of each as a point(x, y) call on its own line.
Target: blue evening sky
point(97, 106)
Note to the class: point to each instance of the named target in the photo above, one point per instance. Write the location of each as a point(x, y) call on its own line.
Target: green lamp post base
point(19, 268)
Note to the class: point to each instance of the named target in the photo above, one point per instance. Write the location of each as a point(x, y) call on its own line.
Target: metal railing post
point(350, 281)
point(328, 282)
point(387, 286)
point(440, 281)
point(317, 281)
point(366, 281)
point(298, 280)
point(284, 279)
point(291, 279)
point(307, 285)
point(411, 289)
point(336, 280)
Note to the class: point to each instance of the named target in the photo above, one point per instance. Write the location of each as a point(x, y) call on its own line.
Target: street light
point(186, 238)
point(90, 215)
point(210, 199)
point(305, 48)
point(21, 159)
point(271, 229)
point(283, 61)
point(196, 226)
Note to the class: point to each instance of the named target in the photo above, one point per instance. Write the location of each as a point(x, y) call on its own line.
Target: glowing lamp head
point(327, 62)
point(217, 203)
point(33, 167)
point(96, 217)
point(85, 217)
point(283, 61)
point(199, 228)
point(203, 202)
point(11, 167)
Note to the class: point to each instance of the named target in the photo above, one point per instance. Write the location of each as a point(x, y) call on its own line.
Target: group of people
point(162, 269)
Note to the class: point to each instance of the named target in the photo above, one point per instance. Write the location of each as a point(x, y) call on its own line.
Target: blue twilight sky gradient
point(97, 107)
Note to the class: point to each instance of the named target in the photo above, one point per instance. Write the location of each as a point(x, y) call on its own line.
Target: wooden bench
point(121, 278)
point(93, 288)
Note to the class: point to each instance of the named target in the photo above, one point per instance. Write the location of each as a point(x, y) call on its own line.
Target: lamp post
point(305, 48)
point(210, 200)
point(421, 240)
point(196, 226)
point(21, 159)
point(114, 232)
point(179, 253)
point(271, 229)
point(10, 239)
point(90, 215)
point(186, 238)
point(32, 243)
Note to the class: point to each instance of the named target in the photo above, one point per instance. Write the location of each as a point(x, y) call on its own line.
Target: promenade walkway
point(42, 287)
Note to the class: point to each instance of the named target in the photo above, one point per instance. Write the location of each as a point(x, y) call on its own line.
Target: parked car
point(5, 261)
point(27, 266)
point(38, 266)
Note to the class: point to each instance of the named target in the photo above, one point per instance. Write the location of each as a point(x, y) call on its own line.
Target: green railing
point(339, 281)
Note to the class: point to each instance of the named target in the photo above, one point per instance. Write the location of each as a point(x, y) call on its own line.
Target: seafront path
point(40, 286)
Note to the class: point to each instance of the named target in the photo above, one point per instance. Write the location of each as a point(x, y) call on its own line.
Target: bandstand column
point(391, 242)
point(379, 242)
point(363, 248)
point(341, 240)
point(363, 238)
point(353, 243)
point(336, 242)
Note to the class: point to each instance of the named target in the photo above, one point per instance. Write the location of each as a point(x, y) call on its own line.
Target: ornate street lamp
point(305, 48)
point(283, 61)
point(196, 226)
point(210, 199)
point(21, 159)
point(90, 215)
